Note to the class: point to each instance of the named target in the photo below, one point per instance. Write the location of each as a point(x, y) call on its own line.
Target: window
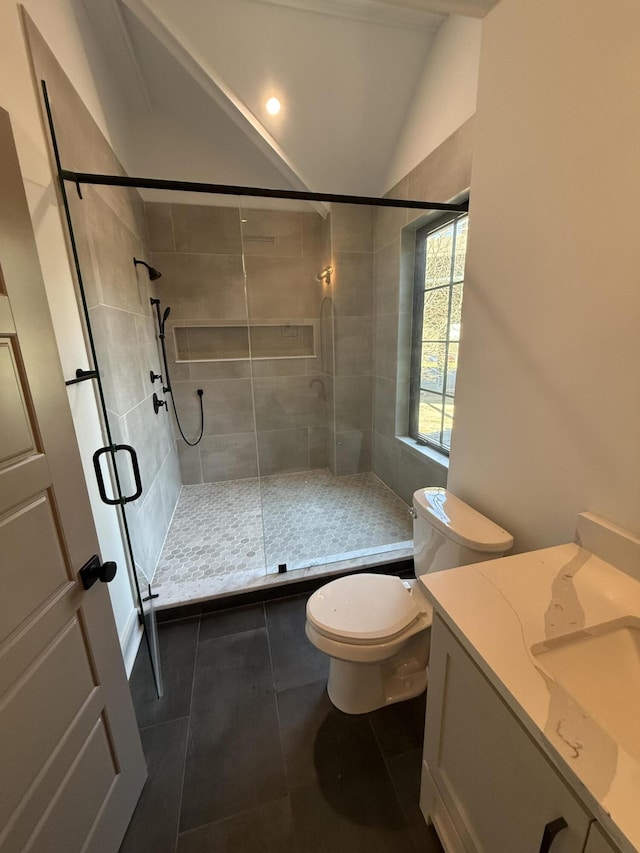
point(439, 279)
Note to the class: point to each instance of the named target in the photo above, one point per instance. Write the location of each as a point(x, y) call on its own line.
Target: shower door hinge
point(282, 568)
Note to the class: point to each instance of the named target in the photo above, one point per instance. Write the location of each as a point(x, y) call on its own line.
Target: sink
point(600, 670)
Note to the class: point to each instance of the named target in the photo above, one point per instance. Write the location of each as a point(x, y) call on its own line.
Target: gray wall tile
point(200, 370)
point(197, 287)
point(318, 450)
point(384, 408)
point(313, 235)
point(389, 221)
point(190, 465)
point(210, 230)
point(150, 436)
point(122, 285)
point(352, 227)
point(120, 360)
point(386, 460)
point(228, 457)
point(290, 402)
point(353, 452)
point(353, 403)
point(282, 451)
point(227, 403)
point(354, 345)
point(283, 287)
point(415, 473)
point(387, 278)
point(82, 230)
point(271, 233)
point(159, 227)
point(353, 284)
point(281, 366)
point(385, 362)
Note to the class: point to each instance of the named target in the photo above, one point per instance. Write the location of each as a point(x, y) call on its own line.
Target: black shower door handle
point(113, 449)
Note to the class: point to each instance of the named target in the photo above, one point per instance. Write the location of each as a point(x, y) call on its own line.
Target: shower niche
point(241, 342)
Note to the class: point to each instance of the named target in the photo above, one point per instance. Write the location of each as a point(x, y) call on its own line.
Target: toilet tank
point(448, 532)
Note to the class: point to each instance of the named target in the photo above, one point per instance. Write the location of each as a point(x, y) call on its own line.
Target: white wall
point(58, 21)
point(548, 397)
point(445, 96)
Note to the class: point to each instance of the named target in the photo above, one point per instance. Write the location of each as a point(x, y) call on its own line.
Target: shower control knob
point(153, 376)
point(158, 403)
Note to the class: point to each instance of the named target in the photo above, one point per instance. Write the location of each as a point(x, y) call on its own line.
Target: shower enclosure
point(273, 318)
point(281, 386)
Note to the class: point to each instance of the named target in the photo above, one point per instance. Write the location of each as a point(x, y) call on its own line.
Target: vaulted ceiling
point(196, 76)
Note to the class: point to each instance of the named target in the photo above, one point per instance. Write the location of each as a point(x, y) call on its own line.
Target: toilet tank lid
point(362, 607)
point(460, 522)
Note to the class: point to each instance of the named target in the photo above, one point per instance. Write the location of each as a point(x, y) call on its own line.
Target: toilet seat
point(364, 609)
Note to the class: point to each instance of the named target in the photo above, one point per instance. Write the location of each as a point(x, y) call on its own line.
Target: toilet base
point(357, 688)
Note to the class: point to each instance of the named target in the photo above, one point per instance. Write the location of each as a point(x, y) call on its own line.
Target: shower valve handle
point(158, 403)
point(153, 376)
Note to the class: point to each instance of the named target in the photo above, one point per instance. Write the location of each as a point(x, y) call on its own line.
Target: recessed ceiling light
point(273, 106)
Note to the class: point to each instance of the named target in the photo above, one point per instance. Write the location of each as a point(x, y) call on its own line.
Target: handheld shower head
point(152, 271)
point(167, 311)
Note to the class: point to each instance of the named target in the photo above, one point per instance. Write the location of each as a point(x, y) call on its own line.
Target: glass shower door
point(215, 544)
point(286, 245)
point(326, 312)
point(105, 228)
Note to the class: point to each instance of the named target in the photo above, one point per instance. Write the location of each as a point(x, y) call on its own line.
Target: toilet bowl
point(376, 628)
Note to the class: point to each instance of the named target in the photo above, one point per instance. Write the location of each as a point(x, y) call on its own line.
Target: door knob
point(95, 570)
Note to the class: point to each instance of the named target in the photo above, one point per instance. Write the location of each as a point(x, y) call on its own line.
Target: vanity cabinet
point(486, 785)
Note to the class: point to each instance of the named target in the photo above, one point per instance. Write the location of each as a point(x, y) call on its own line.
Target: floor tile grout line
point(186, 743)
point(162, 723)
point(390, 777)
point(275, 695)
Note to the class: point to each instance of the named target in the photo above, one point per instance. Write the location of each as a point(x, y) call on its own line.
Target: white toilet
point(376, 628)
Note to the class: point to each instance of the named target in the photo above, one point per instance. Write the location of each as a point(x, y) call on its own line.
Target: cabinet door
point(498, 790)
point(597, 842)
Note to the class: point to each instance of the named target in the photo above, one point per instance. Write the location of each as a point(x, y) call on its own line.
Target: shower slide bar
point(79, 178)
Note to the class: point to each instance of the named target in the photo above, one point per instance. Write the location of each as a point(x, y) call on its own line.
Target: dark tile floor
point(246, 753)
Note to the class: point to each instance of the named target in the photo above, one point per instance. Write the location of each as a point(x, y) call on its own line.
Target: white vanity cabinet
point(486, 785)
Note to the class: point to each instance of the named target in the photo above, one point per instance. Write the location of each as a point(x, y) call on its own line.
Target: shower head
point(152, 271)
point(325, 274)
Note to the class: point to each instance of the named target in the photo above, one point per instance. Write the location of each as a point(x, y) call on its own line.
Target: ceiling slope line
point(216, 89)
point(371, 12)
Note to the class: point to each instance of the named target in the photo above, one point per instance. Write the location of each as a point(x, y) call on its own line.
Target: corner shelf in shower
point(231, 343)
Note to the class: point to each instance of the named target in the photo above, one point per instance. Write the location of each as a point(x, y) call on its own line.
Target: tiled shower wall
point(202, 252)
point(109, 228)
point(270, 415)
point(441, 176)
point(351, 419)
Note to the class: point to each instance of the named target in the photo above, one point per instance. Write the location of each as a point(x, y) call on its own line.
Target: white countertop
point(501, 608)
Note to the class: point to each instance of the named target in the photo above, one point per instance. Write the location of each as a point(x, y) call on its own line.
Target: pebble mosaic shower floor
point(309, 518)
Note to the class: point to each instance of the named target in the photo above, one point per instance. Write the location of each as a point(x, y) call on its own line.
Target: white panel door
point(71, 763)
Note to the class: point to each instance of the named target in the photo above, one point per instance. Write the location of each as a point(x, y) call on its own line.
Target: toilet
point(377, 628)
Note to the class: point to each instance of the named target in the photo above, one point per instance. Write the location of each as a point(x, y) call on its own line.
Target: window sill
point(424, 453)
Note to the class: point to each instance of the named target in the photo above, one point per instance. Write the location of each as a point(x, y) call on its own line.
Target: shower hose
point(167, 388)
